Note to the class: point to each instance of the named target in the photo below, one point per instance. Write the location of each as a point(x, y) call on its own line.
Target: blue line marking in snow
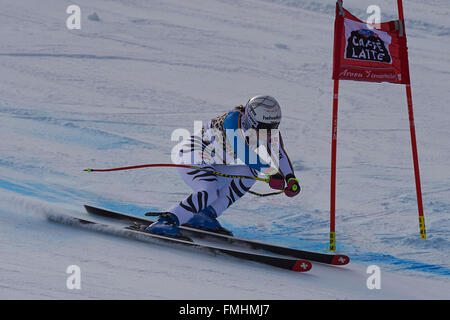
point(403, 264)
point(24, 190)
point(44, 191)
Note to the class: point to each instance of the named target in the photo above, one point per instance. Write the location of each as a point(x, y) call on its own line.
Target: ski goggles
point(268, 126)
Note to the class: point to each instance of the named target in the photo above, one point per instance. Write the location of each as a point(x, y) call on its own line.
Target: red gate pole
point(412, 128)
point(422, 229)
point(333, 166)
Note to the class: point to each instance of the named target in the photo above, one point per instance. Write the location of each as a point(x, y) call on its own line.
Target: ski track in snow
point(111, 94)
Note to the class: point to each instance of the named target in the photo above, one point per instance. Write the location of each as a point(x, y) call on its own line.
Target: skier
point(215, 149)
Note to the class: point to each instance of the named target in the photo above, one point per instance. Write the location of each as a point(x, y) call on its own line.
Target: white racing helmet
point(262, 112)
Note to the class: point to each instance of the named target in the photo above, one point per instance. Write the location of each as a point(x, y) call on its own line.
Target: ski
point(332, 259)
point(297, 265)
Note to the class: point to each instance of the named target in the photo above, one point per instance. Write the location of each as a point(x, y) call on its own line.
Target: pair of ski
point(286, 258)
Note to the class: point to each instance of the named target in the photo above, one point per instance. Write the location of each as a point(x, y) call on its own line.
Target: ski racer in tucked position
point(227, 144)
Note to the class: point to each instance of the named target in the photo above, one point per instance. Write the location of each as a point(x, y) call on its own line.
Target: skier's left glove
point(293, 187)
point(276, 181)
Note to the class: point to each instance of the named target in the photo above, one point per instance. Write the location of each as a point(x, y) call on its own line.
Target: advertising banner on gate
point(366, 52)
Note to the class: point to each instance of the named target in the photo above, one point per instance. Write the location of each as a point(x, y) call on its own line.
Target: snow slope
point(111, 95)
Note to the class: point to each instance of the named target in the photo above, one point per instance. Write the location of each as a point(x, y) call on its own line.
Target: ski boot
point(167, 226)
point(207, 220)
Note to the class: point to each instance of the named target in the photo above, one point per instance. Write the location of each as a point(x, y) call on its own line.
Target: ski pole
point(267, 180)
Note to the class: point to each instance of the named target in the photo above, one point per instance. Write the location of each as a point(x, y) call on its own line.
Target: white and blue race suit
point(226, 145)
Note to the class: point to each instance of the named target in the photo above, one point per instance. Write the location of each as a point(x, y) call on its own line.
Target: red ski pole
point(267, 180)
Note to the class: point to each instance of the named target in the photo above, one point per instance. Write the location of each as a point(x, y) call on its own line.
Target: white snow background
point(111, 94)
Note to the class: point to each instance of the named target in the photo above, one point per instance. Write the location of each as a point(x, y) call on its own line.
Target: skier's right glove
point(293, 187)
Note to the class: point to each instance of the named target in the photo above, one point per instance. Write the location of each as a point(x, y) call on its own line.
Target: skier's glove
point(276, 181)
point(293, 187)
